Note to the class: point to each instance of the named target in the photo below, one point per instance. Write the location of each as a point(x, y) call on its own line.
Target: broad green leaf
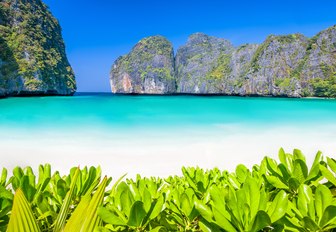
point(18, 172)
point(276, 182)
point(297, 154)
point(186, 205)
point(285, 159)
point(293, 184)
point(5, 194)
point(315, 170)
point(206, 226)
point(22, 218)
point(323, 198)
point(126, 199)
point(158, 207)
point(300, 171)
point(329, 216)
point(332, 164)
point(272, 166)
point(241, 173)
point(305, 202)
point(222, 221)
point(137, 214)
point(261, 221)
point(110, 218)
point(310, 224)
point(90, 179)
point(3, 178)
point(278, 207)
point(328, 175)
point(252, 193)
point(204, 210)
point(157, 229)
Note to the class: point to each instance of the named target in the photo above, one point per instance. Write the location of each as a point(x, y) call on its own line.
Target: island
point(32, 57)
point(283, 65)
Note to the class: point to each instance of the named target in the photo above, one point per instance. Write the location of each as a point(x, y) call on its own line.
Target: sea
point(157, 135)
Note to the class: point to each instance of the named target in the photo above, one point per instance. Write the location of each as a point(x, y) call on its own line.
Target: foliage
point(324, 87)
point(33, 47)
point(284, 195)
point(222, 69)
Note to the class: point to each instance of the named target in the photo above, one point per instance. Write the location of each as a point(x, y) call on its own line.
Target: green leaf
point(3, 178)
point(157, 229)
point(186, 205)
point(305, 202)
point(332, 164)
point(293, 184)
point(261, 221)
point(252, 193)
point(204, 210)
point(65, 208)
point(22, 218)
point(276, 182)
point(158, 207)
point(85, 217)
point(110, 218)
point(90, 180)
point(278, 206)
point(285, 159)
point(297, 154)
point(241, 173)
point(310, 224)
point(300, 171)
point(329, 216)
point(328, 175)
point(222, 221)
point(137, 214)
point(5, 194)
point(208, 227)
point(323, 198)
point(315, 170)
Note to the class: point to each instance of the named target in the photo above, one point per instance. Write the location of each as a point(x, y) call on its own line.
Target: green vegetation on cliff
point(283, 65)
point(34, 49)
point(324, 87)
point(148, 68)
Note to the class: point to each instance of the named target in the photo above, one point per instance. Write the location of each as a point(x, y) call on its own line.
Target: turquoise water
point(157, 135)
point(116, 112)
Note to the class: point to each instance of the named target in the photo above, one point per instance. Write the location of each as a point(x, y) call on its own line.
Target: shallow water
point(132, 131)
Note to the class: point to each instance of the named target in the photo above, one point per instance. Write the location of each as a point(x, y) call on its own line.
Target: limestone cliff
point(196, 59)
point(285, 65)
point(32, 57)
point(148, 68)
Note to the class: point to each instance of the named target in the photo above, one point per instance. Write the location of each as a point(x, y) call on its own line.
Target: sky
point(98, 32)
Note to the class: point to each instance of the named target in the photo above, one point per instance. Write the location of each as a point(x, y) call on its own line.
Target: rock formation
point(290, 65)
point(32, 57)
point(148, 68)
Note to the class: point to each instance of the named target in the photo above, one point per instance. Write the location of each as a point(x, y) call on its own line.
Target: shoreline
point(42, 94)
point(159, 157)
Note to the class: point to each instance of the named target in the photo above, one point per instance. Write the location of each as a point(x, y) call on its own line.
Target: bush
point(284, 195)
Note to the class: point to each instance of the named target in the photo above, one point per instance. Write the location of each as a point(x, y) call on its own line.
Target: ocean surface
point(156, 135)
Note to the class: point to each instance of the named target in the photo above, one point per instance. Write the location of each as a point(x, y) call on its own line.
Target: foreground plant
point(272, 196)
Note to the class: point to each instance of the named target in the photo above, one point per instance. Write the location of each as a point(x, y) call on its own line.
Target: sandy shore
point(159, 154)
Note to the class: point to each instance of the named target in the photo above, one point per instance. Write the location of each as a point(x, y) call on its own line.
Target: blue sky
point(97, 32)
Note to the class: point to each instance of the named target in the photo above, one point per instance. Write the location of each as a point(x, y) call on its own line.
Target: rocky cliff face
point(273, 64)
point(148, 68)
point(32, 58)
point(290, 65)
point(196, 59)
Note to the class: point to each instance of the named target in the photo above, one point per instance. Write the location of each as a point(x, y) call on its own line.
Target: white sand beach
point(151, 154)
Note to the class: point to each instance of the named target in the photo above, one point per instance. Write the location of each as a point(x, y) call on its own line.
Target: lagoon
point(157, 135)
